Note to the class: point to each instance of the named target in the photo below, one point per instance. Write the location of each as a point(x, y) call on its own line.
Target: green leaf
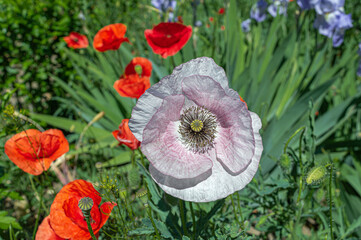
point(68, 124)
point(356, 224)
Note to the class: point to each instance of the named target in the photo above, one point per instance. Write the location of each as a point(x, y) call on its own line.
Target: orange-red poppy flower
point(167, 39)
point(223, 27)
point(221, 11)
point(46, 232)
point(33, 151)
point(125, 136)
point(144, 63)
point(76, 40)
point(211, 19)
point(132, 86)
point(110, 37)
point(66, 218)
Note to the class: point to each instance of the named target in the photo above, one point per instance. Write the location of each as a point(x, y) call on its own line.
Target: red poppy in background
point(180, 19)
point(243, 101)
point(221, 11)
point(144, 63)
point(46, 232)
point(130, 83)
point(132, 86)
point(110, 37)
point(167, 39)
point(211, 19)
point(66, 218)
point(125, 136)
point(33, 151)
point(76, 40)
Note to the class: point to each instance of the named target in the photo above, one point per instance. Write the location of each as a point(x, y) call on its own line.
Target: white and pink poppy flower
point(199, 137)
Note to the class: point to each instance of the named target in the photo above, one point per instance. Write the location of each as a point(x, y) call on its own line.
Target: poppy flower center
point(197, 125)
point(198, 128)
point(138, 69)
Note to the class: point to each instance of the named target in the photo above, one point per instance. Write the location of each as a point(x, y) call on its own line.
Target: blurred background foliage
point(287, 72)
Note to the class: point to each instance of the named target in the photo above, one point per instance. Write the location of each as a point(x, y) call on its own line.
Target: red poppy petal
point(73, 212)
point(76, 40)
point(105, 209)
point(132, 86)
point(125, 136)
point(54, 143)
point(60, 222)
point(110, 37)
point(143, 62)
point(23, 150)
point(167, 39)
point(243, 101)
point(45, 232)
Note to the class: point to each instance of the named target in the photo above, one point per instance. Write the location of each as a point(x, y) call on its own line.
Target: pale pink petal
point(234, 143)
point(163, 148)
point(220, 184)
point(151, 100)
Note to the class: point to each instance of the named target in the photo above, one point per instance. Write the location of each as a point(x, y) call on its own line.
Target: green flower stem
point(37, 194)
point(240, 211)
point(183, 219)
point(87, 219)
point(153, 223)
point(330, 201)
point(193, 220)
point(289, 140)
point(141, 157)
point(235, 212)
point(301, 166)
point(38, 215)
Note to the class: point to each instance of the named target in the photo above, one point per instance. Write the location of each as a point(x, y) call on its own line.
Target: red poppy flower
point(223, 27)
point(167, 39)
point(110, 37)
point(211, 19)
point(76, 40)
point(46, 232)
point(144, 63)
point(132, 86)
point(66, 218)
point(125, 136)
point(33, 151)
point(221, 11)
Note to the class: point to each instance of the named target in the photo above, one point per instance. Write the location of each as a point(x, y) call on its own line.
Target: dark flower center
point(198, 128)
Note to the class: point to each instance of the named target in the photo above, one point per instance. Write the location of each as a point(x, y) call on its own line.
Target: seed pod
point(316, 175)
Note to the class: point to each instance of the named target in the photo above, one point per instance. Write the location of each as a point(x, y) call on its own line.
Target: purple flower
point(278, 7)
point(199, 137)
point(327, 6)
point(258, 11)
point(304, 4)
point(333, 25)
point(246, 25)
point(164, 5)
point(359, 49)
point(198, 23)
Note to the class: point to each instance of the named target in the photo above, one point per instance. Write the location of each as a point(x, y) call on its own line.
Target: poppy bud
point(316, 175)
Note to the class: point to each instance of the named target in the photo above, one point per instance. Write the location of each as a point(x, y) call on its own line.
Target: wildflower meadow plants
point(223, 120)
